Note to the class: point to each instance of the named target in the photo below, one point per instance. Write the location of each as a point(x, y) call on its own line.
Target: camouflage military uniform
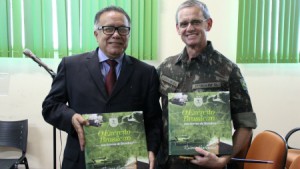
point(210, 71)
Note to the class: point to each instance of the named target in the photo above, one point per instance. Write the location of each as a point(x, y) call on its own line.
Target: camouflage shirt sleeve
point(241, 107)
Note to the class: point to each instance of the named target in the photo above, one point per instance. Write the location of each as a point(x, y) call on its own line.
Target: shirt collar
point(102, 57)
point(183, 57)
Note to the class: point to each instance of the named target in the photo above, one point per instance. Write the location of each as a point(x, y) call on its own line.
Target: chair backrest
point(267, 145)
point(289, 134)
point(293, 152)
point(295, 164)
point(14, 134)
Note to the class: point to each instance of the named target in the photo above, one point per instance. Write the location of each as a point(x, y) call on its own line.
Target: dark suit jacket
point(79, 88)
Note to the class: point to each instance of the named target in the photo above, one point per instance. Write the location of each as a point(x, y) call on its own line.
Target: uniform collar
point(202, 57)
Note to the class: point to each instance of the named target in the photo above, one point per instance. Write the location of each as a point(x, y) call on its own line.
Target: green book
point(199, 119)
point(115, 141)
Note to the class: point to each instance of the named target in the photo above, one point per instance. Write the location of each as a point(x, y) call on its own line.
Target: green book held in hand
point(115, 140)
point(199, 119)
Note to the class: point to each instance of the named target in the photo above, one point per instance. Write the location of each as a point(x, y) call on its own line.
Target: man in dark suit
point(79, 87)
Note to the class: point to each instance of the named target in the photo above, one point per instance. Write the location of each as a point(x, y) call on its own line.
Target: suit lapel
point(93, 65)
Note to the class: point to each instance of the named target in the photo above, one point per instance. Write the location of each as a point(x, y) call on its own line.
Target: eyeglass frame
point(115, 28)
point(193, 23)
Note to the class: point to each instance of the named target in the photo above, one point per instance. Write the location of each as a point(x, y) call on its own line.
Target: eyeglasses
point(109, 30)
point(195, 23)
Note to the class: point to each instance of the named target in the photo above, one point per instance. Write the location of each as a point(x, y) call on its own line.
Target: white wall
point(274, 88)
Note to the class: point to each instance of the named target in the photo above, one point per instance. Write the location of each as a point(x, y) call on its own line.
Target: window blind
point(268, 31)
point(65, 27)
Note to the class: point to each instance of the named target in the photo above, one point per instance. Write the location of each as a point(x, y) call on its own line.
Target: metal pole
point(54, 147)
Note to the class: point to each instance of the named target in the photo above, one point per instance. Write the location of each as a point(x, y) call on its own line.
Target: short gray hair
point(108, 9)
point(193, 3)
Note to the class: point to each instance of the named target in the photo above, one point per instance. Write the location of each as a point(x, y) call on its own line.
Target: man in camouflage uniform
point(201, 68)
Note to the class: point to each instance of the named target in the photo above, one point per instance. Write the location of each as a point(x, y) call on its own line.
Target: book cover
point(115, 141)
point(199, 119)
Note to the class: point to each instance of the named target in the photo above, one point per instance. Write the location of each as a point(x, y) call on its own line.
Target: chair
point(296, 163)
point(270, 146)
point(293, 152)
point(13, 135)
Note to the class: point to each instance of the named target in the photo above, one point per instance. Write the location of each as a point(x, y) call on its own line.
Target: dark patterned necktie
point(111, 76)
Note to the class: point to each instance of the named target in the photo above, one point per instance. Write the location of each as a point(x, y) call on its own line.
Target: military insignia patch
point(169, 80)
point(206, 85)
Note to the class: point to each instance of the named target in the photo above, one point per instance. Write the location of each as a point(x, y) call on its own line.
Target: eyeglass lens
point(109, 30)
